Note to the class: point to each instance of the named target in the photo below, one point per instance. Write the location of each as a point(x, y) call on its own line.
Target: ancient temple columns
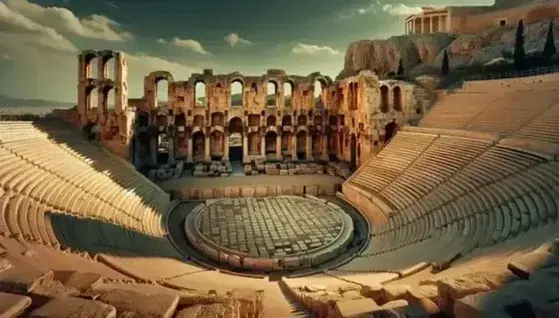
point(226, 147)
point(189, 150)
point(263, 145)
point(426, 24)
point(308, 147)
point(207, 156)
point(278, 146)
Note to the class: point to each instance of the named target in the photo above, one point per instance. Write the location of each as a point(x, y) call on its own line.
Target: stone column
point(207, 156)
point(293, 147)
point(278, 146)
point(245, 146)
point(308, 148)
point(263, 146)
point(226, 147)
point(422, 25)
point(189, 150)
point(430, 24)
point(324, 147)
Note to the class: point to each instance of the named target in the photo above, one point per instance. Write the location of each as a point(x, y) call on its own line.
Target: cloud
point(18, 31)
point(234, 39)
point(64, 21)
point(400, 9)
point(6, 56)
point(192, 45)
point(309, 49)
point(161, 41)
point(113, 5)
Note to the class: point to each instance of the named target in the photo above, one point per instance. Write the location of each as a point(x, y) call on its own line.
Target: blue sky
point(40, 40)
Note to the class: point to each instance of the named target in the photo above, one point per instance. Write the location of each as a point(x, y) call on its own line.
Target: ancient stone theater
point(283, 196)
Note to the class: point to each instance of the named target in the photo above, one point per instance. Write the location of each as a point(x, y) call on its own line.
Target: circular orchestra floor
point(270, 233)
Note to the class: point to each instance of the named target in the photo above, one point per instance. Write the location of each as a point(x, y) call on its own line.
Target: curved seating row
point(544, 127)
point(400, 153)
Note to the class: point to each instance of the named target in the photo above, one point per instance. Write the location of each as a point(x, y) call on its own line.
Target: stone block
point(22, 279)
point(292, 172)
point(373, 291)
point(218, 192)
point(13, 305)
point(287, 190)
point(260, 191)
point(523, 266)
point(207, 193)
point(154, 305)
point(298, 189)
point(283, 172)
point(247, 169)
point(254, 172)
point(74, 307)
point(232, 192)
point(272, 171)
point(247, 192)
point(422, 308)
point(271, 191)
point(423, 291)
point(395, 291)
point(311, 189)
point(355, 307)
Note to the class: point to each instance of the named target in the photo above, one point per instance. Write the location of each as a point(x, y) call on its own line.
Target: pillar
point(263, 145)
point(189, 150)
point(207, 156)
point(430, 24)
point(324, 147)
point(226, 147)
point(308, 148)
point(422, 25)
point(293, 147)
point(245, 146)
point(278, 146)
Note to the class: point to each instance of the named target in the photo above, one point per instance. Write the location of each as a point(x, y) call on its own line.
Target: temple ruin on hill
point(349, 120)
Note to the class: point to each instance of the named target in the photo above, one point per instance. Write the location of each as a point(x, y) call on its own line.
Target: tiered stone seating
point(392, 161)
point(456, 110)
point(543, 127)
point(440, 161)
point(73, 182)
point(501, 194)
point(512, 111)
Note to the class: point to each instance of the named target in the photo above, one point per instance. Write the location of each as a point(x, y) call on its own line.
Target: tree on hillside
point(549, 49)
point(519, 54)
point(400, 71)
point(445, 67)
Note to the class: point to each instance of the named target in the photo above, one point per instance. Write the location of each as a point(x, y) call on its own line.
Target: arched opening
point(271, 121)
point(272, 94)
point(200, 99)
point(353, 151)
point(253, 144)
point(397, 96)
point(162, 148)
point(162, 93)
point(288, 93)
point(384, 98)
point(316, 144)
point(198, 145)
point(143, 119)
point(109, 68)
point(317, 120)
point(180, 122)
point(198, 121)
point(216, 145)
point(390, 131)
point(302, 145)
point(161, 121)
point(302, 120)
point(92, 67)
point(237, 93)
point(353, 96)
point(332, 145)
point(286, 121)
point(332, 120)
point(318, 89)
point(286, 138)
point(92, 97)
point(218, 119)
point(236, 142)
point(109, 98)
point(270, 140)
point(254, 120)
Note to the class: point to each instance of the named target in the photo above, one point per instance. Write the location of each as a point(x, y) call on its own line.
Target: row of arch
point(237, 91)
point(108, 97)
point(385, 98)
point(100, 64)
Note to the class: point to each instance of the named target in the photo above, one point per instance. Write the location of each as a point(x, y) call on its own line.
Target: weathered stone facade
point(349, 120)
point(114, 121)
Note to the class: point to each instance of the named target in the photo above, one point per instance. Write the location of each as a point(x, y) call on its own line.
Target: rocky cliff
point(422, 54)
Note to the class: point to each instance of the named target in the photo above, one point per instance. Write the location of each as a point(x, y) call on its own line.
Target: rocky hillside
point(422, 54)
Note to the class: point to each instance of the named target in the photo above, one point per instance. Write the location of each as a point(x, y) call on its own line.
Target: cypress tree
point(445, 66)
point(400, 71)
point(519, 54)
point(549, 49)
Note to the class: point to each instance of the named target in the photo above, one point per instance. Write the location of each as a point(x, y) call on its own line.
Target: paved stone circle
point(270, 227)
